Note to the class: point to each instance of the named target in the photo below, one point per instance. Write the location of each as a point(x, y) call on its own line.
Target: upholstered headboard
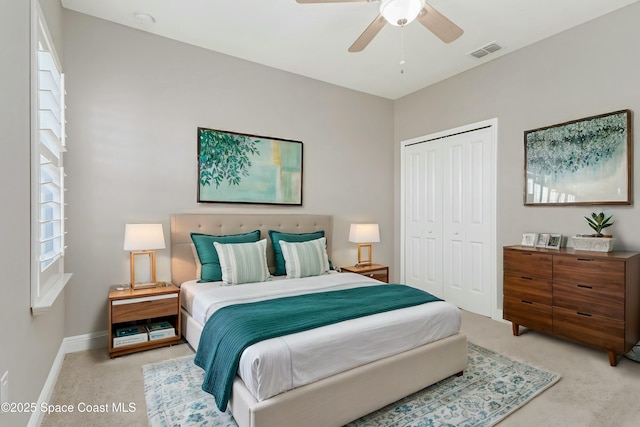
point(183, 266)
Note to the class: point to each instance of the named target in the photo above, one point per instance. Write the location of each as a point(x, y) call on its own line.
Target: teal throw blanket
point(232, 329)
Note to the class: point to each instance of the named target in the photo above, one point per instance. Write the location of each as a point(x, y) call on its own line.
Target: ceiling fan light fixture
point(401, 12)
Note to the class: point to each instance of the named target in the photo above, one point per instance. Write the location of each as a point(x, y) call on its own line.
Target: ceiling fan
point(400, 13)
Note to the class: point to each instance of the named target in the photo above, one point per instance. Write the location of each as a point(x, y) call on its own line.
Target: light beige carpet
point(591, 393)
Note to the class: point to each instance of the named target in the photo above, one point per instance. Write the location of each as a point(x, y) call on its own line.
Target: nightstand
point(139, 307)
point(375, 271)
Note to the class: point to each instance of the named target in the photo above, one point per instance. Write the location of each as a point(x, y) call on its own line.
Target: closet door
point(467, 220)
point(448, 218)
point(423, 218)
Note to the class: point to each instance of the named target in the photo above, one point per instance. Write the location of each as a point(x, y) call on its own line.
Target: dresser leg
point(515, 328)
point(613, 359)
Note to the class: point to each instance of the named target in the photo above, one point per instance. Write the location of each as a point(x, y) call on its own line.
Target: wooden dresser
point(592, 298)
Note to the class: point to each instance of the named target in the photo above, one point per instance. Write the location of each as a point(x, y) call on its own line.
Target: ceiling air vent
point(486, 50)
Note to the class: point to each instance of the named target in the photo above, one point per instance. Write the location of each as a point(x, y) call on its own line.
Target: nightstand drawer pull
point(585, 286)
point(526, 278)
point(585, 259)
point(143, 299)
point(526, 302)
point(583, 314)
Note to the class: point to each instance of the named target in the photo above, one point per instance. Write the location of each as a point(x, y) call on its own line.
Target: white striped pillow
point(243, 262)
point(303, 259)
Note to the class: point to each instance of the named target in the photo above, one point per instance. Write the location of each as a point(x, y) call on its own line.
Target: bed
point(339, 394)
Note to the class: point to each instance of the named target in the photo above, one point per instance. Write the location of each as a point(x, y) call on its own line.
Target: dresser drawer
point(606, 301)
point(530, 314)
point(527, 288)
point(596, 331)
point(588, 271)
point(127, 310)
point(528, 264)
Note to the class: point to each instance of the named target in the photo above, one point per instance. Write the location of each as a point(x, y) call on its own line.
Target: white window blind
point(51, 146)
point(48, 148)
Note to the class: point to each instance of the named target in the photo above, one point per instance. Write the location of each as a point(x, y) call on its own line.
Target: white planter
point(595, 244)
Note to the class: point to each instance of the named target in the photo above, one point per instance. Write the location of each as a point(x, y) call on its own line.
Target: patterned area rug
point(492, 387)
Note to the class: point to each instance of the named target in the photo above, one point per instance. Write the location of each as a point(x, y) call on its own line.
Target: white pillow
point(303, 259)
point(243, 262)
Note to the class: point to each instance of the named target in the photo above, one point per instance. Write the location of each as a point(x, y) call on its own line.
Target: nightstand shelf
point(375, 271)
point(130, 307)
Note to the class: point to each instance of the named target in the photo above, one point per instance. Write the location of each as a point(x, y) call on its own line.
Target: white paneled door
point(449, 217)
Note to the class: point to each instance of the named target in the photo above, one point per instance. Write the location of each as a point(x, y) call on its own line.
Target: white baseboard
point(69, 345)
point(47, 389)
point(85, 342)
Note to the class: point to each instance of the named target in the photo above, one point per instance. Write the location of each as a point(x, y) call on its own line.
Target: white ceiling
point(312, 39)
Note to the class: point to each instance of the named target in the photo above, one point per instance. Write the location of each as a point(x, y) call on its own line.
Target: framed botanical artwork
point(529, 239)
point(581, 162)
point(555, 241)
point(542, 240)
point(241, 168)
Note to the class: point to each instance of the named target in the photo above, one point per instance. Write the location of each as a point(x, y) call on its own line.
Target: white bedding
point(276, 365)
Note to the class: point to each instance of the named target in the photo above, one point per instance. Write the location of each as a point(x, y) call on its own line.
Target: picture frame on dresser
point(542, 240)
point(529, 239)
point(555, 241)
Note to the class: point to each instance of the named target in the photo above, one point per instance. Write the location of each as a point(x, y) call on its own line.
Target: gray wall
point(22, 336)
point(134, 101)
point(588, 70)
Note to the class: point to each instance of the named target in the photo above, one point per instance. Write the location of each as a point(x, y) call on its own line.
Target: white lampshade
point(364, 233)
point(142, 237)
point(400, 12)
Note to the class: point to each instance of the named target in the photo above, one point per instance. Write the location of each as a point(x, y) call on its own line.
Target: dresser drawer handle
point(585, 259)
point(584, 314)
point(526, 278)
point(585, 286)
point(526, 302)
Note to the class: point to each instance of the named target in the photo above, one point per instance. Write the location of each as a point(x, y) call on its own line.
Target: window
point(47, 171)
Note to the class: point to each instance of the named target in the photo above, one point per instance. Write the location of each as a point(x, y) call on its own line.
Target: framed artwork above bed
point(241, 168)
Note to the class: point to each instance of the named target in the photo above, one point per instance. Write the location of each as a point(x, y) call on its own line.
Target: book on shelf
point(130, 330)
point(130, 335)
point(160, 330)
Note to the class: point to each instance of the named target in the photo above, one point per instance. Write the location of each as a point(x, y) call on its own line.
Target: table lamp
point(143, 239)
point(364, 235)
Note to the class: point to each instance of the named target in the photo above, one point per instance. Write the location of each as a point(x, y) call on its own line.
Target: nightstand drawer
point(126, 310)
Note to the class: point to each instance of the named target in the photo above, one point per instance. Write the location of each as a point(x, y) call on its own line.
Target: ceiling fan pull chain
point(402, 61)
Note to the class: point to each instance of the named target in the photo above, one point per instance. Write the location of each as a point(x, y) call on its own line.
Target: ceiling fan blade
point(439, 25)
point(332, 1)
point(365, 38)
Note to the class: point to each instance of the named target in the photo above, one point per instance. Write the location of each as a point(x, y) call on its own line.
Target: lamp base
point(143, 285)
point(364, 254)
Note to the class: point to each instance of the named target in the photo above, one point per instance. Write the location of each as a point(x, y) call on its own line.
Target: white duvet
point(276, 365)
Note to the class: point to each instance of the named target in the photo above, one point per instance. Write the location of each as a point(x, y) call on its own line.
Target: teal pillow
point(210, 271)
point(276, 236)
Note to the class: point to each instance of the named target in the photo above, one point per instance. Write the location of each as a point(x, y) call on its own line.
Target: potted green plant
point(599, 222)
point(597, 242)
